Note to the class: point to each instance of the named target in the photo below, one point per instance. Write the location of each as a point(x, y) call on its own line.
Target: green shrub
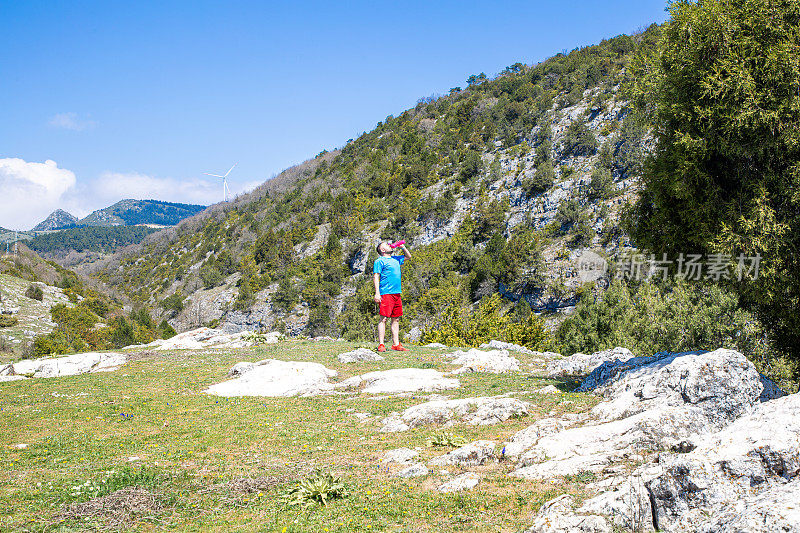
point(55, 342)
point(581, 234)
point(96, 305)
point(460, 327)
point(569, 212)
point(211, 275)
point(34, 292)
point(166, 331)
point(285, 296)
point(173, 303)
point(319, 320)
point(143, 318)
point(629, 152)
point(647, 318)
point(121, 332)
point(579, 140)
point(601, 185)
point(723, 176)
point(542, 179)
point(471, 166)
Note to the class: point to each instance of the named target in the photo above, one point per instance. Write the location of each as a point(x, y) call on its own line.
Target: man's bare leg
point(395, 331)
point(381, 329)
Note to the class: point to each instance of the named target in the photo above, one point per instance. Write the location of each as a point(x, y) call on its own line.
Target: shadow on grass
point(567, 384)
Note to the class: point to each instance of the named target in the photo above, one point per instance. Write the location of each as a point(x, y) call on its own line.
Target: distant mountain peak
point(130, 212)
point(58, 219)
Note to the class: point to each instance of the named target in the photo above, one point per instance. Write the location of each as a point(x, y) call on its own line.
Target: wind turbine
point(225, 190)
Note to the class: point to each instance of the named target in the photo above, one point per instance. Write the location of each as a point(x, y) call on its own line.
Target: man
point(386, 275)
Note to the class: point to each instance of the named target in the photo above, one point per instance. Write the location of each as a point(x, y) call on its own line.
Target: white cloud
point(114, 186)
point(30, 191)
point(71, 121)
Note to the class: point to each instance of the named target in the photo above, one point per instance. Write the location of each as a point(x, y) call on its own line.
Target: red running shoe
point(400, 348)
point(381, 347)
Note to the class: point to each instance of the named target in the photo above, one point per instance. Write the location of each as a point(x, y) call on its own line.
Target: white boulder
point(652, 406)
point(473, 411)
point(400, 455)
point(526, 438)
point(359, 354)
point(200, 338)
point(415, 470)
point(272, 377)
point(400, 380)
point(465, 481)
point(68, 365)
point(581, 363)
point(558, 516)
point(473, 454)
point(747, 473)
point(494, 362)
point(510, 346)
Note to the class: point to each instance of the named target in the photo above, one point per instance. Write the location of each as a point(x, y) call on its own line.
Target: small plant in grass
point(584, 476)
point(110, 482)
point(446, 439)
point(318, 488)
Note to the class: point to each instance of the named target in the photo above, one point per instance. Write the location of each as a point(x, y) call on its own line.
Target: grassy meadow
point(143, 448)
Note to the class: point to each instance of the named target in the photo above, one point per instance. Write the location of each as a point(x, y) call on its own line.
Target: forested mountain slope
point(136, 212)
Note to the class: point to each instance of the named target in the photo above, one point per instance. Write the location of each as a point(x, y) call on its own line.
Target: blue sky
point(108, 100)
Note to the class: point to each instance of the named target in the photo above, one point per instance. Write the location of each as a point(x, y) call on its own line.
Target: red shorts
point(391, 305)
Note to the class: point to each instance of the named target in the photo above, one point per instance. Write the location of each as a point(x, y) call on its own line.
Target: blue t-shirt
point(389, 270)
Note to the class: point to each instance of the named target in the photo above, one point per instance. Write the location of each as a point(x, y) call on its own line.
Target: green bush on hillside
point(579, 140)
point(173, 303)
point(458, 326)
point(601, 186)
point(34, 292)
point(542, 179)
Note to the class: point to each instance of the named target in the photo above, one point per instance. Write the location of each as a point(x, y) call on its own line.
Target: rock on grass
point(580, 364)
point(473, 454)
point(494, 361)
point(400, 380)
point(275, 378)
point(358, 355)
point(463, 482)
point(473, 411)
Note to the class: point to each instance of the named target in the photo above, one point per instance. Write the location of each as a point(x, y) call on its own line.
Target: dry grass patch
point(242, 491)
point(119, 510)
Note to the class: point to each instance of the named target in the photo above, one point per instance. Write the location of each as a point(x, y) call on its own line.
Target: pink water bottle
point(398, 243)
